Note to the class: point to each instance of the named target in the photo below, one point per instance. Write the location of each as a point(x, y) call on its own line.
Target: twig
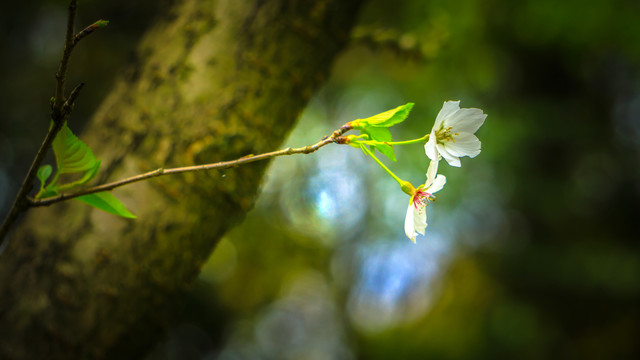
point(59, 113)
point(88, 30)
point(334, 138)
point(21, 203)
point(68, 104)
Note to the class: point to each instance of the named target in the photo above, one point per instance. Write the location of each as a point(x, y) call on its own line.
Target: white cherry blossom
point(452, 136)
point(416, 221)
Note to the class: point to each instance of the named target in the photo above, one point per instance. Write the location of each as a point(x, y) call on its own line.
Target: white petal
point(437, 184)
point(466, 120)
point(465, 144)
point(432, 171)
point(409, 227)
point(430, 147)
point(448, 109)
point(451, 159)
point(420, 219)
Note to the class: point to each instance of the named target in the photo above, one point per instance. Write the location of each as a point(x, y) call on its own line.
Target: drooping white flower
point(416, 221)
point(452, 136)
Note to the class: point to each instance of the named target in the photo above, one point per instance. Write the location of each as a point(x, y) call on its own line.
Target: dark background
point(532, 247)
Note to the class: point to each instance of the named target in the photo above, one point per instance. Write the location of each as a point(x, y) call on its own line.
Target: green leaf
point(382, 135)
point(89, 174)
point(43, 174)
point(72, 155)
point(385, 119)
point(386, 150)
point(86, 177)
point(376, 127)
point(107, 202)
point(378, 134)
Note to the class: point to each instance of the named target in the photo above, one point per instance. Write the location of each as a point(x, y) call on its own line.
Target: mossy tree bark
point(214, 80)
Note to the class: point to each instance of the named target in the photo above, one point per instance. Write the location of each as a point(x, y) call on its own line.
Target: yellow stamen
point(444, 135)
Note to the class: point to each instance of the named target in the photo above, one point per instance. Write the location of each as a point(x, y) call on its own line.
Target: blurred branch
point(402, 44)
point(334, 138)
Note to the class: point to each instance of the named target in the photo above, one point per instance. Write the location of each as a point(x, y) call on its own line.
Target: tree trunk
point(214, 80)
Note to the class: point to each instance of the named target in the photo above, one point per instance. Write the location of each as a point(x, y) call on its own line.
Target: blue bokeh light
point(394, 281)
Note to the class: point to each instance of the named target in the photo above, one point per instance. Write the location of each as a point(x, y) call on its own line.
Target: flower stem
point(368, 152)
point(406, 142)
point(424, 138)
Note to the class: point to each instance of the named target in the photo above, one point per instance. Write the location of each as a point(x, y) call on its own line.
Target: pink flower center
point(422, 199)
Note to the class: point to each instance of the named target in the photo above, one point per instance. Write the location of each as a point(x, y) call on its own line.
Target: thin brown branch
point(21, 203)
point(59, 98)
point(59, 113)
point(215, 166)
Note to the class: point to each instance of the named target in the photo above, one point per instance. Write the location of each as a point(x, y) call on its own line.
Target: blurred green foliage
point(532, 247)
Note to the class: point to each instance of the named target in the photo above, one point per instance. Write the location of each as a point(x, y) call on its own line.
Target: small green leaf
point(386, 150)
point(72, 155)
point(382, 135)
point(385, 119)
point(378, 134)
point(107, 202)
point(89, 174)
point(86, 177)
point(376, 127)
point(43, 174)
